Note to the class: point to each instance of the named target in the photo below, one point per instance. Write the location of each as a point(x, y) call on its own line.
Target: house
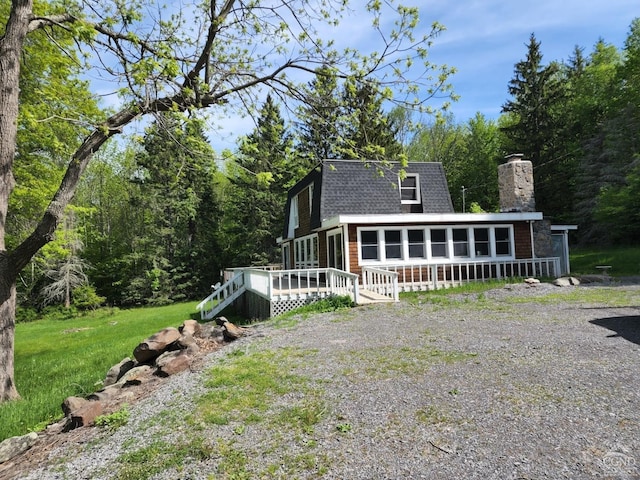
point(354, 215)
point(370, 230)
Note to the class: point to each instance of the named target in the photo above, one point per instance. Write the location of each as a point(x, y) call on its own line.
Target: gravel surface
point(516, 383)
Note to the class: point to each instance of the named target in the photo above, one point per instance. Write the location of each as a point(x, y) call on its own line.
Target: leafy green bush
point(86, 298)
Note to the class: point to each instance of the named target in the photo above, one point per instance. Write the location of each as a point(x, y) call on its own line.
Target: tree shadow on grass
point(625, 327)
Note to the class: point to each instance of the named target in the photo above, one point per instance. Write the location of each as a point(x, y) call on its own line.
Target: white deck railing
point(222, 296)
point(380, 281)
point(442, 275)
point(286, 284)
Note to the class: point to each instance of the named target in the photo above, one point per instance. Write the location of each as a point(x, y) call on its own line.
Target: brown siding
point(353, 250)
point(522, 238)
point(304, 215)
point(322, 250)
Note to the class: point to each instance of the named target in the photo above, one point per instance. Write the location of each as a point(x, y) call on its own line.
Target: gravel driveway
point(516, 383)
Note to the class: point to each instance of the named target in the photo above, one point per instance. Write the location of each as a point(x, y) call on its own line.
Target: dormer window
point(410, 189)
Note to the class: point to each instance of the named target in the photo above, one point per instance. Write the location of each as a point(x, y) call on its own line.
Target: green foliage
point(260, 176)
point(538, 95)
point(347, 120)
point(154, 230)
point(115, 420)
point(144, 463)
point(86, 298)
point(624, 260)
point(329, 304)
point(68, 355)
point(469, 155)
point(344, 427)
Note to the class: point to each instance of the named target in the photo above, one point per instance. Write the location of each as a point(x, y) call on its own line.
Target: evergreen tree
point(367, 131)
point(318, 128)
point(537, 96)
point(172, 200)
point(264, 170)
point(591, 90)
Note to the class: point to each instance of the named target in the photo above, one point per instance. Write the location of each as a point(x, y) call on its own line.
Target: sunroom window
point(503, 242)
point(460, 242)
point(393, 244)
point(369, 245)
point(416, 243)
point(439, 243)
point(481, 242)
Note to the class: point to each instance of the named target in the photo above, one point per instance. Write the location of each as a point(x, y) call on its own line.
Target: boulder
point(229, 330)
point(170, 363)
point(107, 393)
point(212, 333)
point(136, 375)
point(566, 281)
point(185, 341)
point(85, 415)
point(117, 371)
point(155, 345)
point(72, 404)
point(531, 281)
point(14, 446)
point(190, 326)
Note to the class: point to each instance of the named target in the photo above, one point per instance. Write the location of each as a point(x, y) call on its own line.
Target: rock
point(190, 326)
point(136, 375)
point(185, 341)
point(566, 281)
point(14, 446)
point(72, 404)
point(117, 371)
point(531, 281)
point(170, 363)
point(232, 332)
point(85, 416)
point(107, 393)
point(211, 332)
point(156, 344)
point(229, 330)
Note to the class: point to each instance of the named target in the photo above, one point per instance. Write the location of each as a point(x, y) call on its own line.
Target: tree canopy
point(168, 58)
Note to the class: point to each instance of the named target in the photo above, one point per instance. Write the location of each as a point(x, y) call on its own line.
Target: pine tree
point(318, 127)
point(264, 170)
point(175, 176)
point(537, 95)
point(367, 132)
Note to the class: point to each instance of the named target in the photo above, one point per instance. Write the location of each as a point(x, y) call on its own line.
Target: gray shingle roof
point(357, 188)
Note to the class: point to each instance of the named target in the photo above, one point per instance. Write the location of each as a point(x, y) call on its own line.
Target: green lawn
point(624, 261)
point(55, 359)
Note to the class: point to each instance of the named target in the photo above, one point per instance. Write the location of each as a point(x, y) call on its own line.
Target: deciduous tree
point(216, 54)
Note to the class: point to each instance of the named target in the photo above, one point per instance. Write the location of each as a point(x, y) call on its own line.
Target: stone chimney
point(515, 181)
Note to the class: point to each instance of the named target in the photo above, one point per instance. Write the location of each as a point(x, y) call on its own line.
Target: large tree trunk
point(8, 389)
point(10, 50)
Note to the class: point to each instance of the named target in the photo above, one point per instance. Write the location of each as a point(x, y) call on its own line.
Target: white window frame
point(416, 189)
point(310, 198)
point(295, 218)
point(429, 258)
point(306, 252)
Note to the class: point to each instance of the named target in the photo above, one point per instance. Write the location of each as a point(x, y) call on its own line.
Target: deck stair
point(222, 297)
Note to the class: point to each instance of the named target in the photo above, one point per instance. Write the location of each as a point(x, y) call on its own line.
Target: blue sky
point(483, 41)
point(485, 38)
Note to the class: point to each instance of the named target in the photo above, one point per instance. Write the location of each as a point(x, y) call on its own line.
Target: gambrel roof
point(357, 187)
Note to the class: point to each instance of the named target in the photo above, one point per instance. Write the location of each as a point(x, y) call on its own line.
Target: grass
point(148, 461)
point(624, 261)
point(390, 362)
point(448, 296)
point(55, 359)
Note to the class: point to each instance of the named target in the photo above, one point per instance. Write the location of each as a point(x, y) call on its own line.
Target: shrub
point(86, 298)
